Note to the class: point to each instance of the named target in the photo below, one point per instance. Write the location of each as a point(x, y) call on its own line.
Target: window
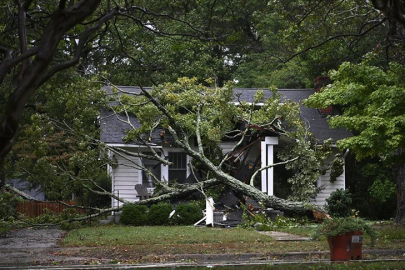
point(178, 170)
point(154, 167)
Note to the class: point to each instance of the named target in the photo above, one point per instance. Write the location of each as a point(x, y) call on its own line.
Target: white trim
point(270, 171)
point(132, 145)
point(267, 158)
point(263, 154)
point(271, 140)
point(260, 104)
point(111, 174)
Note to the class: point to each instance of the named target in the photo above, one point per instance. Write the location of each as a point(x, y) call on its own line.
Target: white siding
point(226, 146)
point(125, 177)
point(252, 155)
point(328, 187)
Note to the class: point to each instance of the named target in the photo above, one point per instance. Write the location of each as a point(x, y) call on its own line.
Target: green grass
point(4, 230)
point(5, 227)
point(183, 239)
point(390, 236)
point(156, 235)
point(130, 244)
point(392, 232)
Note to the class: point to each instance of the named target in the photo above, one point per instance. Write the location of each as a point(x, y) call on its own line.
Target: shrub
point(187, 214)
point(8, 204)
point(339, 203)
point(132, 214)
point(159, 214)
point(342, 225)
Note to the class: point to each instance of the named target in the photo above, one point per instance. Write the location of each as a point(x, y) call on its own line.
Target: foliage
point(143, 44)
point(336, 169)
point(55, 150)
point(263, 222)
point(90, 198)
point(135, 215)
point(306, 170)
point(8, 203)
point(339, 203)
point(382, 191)
point(194, 39)
point(159, 214)
point(62, 219)
point(187, 213)
point(302, 40)
point(341, 225)
point(188, 109)
point(372, 100)
point(373, 201)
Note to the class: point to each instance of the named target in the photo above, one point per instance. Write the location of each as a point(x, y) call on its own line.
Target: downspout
point(346, 153)
point(344, 169)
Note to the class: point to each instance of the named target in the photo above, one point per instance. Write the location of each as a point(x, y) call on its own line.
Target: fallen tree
point(185, 112)
point(194, 113)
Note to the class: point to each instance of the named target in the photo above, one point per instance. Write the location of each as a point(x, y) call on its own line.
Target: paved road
point(29, 238)
point(29, 246)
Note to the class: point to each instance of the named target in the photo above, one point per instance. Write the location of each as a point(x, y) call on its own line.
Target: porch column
point(267, 158)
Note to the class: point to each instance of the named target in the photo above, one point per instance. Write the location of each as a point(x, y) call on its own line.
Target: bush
point(8, 204)
point(339, 203)
point(93, 199)
point(187, 214)
point(341, 225)
point(159, 214)
point(132, 214)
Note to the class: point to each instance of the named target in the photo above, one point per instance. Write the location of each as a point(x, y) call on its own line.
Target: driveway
point(30, 246)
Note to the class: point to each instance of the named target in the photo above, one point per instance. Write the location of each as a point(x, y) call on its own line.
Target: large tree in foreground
point(42, 38)
point(31, 52)
point(372, 102)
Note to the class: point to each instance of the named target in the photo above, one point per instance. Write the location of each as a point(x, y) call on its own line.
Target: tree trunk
point(35, 74)
point(289, 207)
point(399, 174)
point(2, 174)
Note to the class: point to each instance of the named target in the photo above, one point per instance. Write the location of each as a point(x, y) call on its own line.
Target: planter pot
point(345, 247)
point(339, 246)
point(355, 245)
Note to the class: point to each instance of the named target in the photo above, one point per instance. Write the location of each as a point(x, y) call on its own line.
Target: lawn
point(184, 239)
point(144, 244)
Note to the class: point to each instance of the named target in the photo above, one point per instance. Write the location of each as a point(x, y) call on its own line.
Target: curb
point(210, 260)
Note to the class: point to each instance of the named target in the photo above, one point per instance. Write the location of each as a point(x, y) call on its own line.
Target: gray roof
point(113, 128)
point(317, 123)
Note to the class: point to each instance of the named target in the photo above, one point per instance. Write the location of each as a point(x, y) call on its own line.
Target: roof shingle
point(113, 127)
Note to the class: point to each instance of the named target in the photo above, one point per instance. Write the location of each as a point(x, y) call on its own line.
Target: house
point(125, 176)
point(24, 186)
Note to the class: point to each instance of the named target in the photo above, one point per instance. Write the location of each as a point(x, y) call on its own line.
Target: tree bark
point(35, 74)
point(289, 207)
point(399, 174)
